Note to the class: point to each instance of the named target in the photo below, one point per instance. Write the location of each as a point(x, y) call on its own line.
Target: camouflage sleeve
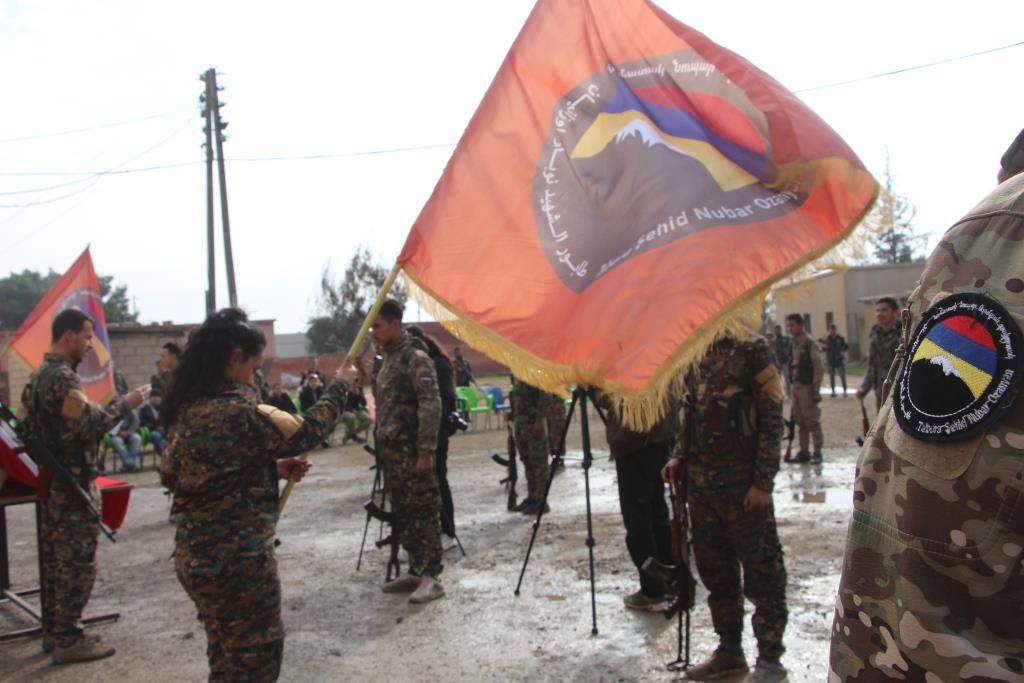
point(86, 420)
point(287, 434)
point(428, 403)
point(768, 391)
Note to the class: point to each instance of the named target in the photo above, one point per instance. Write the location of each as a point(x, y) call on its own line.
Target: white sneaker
point(405, 583)
point(429, 589)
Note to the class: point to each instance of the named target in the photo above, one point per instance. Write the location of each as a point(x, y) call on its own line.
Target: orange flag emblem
point(625, 191)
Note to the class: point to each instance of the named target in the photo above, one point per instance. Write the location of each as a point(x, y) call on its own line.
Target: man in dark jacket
point(280, 399)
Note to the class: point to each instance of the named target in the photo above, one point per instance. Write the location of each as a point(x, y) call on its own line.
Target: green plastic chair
point(476, 404)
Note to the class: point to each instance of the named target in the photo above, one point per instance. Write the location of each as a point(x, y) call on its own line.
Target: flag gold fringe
point(640, 409)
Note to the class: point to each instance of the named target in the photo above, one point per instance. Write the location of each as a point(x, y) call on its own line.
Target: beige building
point(846, 298)
point(134, 348)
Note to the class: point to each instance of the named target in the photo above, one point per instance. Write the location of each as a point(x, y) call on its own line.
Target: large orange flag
point(77, 288)
point(625, 191)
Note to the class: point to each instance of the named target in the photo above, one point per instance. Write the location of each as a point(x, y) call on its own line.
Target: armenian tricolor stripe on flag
point(77, 288)
point(626, 193)
point(964, 348)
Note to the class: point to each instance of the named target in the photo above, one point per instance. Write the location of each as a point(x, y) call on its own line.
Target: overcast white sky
point(313, 78)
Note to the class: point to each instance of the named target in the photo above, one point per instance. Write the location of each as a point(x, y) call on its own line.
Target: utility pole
point(211, 271)
point(212, 116)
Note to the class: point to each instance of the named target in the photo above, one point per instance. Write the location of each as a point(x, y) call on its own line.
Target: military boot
point(768, 671)
point(429, 589)
point(406, 583)
point(82, 649)
point(816, 457)
point(727, 660)
point(801, 456)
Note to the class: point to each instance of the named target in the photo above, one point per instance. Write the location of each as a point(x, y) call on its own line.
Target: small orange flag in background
point(77, 288)
point(626, 190)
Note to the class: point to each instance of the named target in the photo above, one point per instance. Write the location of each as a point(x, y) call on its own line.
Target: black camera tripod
point(579, 396)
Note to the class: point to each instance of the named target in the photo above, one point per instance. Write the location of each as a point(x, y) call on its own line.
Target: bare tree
point(344, 304)
point(892, 221)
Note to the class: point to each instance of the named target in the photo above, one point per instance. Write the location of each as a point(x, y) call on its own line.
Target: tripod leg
point(555, 464)
point(587, 461)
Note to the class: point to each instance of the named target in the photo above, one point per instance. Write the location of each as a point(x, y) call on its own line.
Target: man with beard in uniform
point(70, 426)
point(530, 409)
point(932, 587)
point(730, 467)
point(408, 415)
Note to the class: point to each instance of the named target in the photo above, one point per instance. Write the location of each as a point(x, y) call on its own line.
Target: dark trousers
point(644, 512)
point(441, 467)
point(832, 370)
point(738, 554)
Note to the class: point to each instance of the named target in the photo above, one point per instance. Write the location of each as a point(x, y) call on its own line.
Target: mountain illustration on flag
point(639, 189)
point(958, 360)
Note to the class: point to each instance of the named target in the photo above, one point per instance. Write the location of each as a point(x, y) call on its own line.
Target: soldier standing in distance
point(885, 337)
point(805, 389)
point(932, 586)
point(463, 371)
point(225, 453)
point(834, 346)
point(170, 356)
point(58, 412)
point(530, 409)
point(408, 416)
point(731, 466)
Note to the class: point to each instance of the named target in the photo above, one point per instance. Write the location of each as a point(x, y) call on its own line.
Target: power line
point(96, 177)
point(910, 68)
point(396, 150)
point(97, 127)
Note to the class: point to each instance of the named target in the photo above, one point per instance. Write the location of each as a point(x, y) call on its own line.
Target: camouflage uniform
point(70, 426)
point(556, 425)
point(806, 374)
point(407, 397)
point(881, 352)
point(738, 434)
point(782, 352)
point(220, 465)
point(933, 585)
point(530, 405)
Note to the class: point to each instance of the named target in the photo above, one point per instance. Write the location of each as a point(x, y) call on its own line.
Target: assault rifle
point(790, 435)
point(513, 471)
point(865, 424)
point(52, 468)
point(678, 578)
point(388, 517)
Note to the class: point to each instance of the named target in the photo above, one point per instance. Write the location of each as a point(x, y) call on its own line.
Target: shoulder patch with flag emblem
point(962, 371)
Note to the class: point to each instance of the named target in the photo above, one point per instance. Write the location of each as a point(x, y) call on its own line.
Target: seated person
point(127, 443)
point(149, 417)
point(280, 399)
point(311, 392)
point(309, 395)
point(356, 415)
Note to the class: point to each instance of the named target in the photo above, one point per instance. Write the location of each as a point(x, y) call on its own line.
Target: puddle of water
point(835, 498)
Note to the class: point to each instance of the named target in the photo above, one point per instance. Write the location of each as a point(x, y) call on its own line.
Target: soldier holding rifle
point(731, 463)
point(61, 417)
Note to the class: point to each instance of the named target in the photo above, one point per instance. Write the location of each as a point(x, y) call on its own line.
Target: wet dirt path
point(342, 628)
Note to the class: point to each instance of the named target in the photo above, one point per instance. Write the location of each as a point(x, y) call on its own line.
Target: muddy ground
point(342, 628)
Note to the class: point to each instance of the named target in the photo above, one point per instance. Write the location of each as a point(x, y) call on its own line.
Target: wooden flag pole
point(352, 354)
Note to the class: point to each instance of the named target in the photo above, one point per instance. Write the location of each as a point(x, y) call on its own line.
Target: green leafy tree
point(892, 221)
point(20, 292)
point(344, 304)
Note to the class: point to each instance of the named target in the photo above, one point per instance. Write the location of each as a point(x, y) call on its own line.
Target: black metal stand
point(579, 396)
